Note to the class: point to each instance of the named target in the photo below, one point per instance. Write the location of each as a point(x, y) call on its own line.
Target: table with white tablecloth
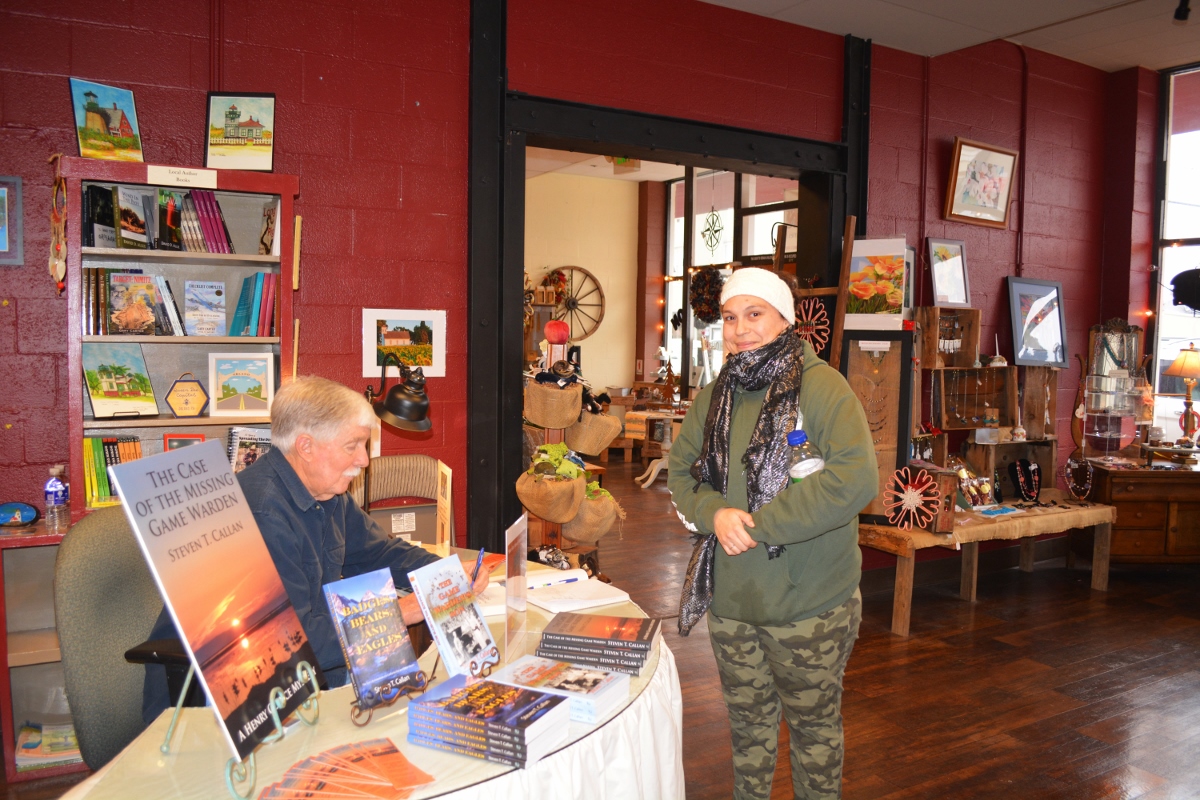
point(636, 752)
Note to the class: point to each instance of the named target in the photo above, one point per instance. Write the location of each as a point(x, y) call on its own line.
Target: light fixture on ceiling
point(1181, 13)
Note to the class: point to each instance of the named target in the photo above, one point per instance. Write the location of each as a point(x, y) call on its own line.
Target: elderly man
point(313, 530)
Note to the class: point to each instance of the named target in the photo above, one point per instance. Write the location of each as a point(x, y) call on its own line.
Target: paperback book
point(592, 693)
point(98, 217)
point(170, 220)
point(247, 445)
point(204, 308)
point(630, 666)
point(220, 586)
point(373, 636)
point(455, 619)
point(130, 217)
point(132, 303)
point(637, 633)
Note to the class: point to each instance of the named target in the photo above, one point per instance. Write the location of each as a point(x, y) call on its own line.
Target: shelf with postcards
point(180, 323)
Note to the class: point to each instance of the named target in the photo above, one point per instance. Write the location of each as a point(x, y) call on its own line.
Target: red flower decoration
point(812, 323)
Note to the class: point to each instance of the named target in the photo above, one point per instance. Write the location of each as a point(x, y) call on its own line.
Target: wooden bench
point(972, 527)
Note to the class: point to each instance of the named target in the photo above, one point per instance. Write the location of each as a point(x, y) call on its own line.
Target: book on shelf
point(117, 381)
point(247, 445)
point(266, 311)
point(150, 216)
point(220, 587)
point(99, 453)
point(266, 237)
point(255, 305)
point(204, 308)
point(592, 693)
point(132, 302)
point(40, 746)
point(170, 218)
point(130, 221)
point(455, 620)
point(241, 313)
point(193, 235)
point(456, 714)
point(374, 638)
point(215, 205)
point(576, 596)
point(97, 215)
point(167, 300)
point(635, 633)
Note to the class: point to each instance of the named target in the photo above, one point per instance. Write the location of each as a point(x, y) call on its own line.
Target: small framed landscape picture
point(981, 182)
point(105, 122)
point(948, 270)
point(1038, 323)
point(240, 384)
point(174, 441)
point(240, 133)
point(11, 223)
point(416, 337)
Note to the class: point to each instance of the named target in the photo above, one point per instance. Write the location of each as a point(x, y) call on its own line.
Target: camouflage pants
point(795, 668)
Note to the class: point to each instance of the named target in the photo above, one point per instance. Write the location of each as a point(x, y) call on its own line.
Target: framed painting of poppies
point(981, 182)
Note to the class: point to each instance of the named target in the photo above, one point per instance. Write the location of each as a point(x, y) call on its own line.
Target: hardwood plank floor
point(1041, 689)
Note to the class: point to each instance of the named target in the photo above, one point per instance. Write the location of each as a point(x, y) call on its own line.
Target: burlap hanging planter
point(593, 433)
point(594, 520)
point(551, 500)
point(551, 407)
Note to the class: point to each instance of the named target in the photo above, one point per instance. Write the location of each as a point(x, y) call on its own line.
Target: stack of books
point(488, 720)
point(618, 644)
point(592, 693)
point(255, 311)
point(99, 453)
point(41, 746)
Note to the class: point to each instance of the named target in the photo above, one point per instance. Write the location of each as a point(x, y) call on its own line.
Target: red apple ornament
point(557, 331)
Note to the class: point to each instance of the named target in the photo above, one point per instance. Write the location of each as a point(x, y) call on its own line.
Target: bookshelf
point(241, 196)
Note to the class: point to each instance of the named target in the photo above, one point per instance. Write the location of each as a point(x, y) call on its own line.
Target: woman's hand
point(730, 526)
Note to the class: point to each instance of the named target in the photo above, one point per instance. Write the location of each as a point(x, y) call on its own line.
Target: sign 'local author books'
point(373, 636)
point(454, 618)
point(220, 585)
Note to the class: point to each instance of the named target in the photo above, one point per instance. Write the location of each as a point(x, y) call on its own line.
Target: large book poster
point(220, 585)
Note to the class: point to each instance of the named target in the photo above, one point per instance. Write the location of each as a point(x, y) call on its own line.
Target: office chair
point(105, 601)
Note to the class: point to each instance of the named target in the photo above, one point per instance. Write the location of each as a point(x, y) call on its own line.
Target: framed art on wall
point(981, 181)
point(1038, 324)
point(12, 237)
point(105, 121)
point(948, 271)
point(416, 336)
point(174, 441)
point(240, 384)
point(240, 133)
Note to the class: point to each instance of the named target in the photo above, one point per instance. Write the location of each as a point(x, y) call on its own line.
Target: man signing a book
point(314, 531)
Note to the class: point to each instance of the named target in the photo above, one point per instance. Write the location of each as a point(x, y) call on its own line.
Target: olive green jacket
point(816, 519)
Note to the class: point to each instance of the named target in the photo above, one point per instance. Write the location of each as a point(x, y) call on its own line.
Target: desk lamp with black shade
point(1187, 366)
point(405, 406)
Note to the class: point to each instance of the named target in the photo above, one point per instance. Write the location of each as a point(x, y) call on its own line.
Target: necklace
point(1028, 478)
point(1078, 492)
point(874, 403)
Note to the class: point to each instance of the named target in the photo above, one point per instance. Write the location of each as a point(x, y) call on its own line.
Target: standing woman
point(785, 562)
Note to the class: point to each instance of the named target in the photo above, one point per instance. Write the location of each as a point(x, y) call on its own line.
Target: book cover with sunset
point(220, 585)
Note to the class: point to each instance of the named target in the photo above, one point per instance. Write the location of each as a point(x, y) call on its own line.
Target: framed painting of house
point(416, 337)
point(105, 121)
point(240, 133)
point(118, 383)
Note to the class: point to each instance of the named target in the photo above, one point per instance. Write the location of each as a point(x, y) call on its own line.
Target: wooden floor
point(1042, 689)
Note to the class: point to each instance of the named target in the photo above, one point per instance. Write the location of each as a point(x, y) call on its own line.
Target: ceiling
point(1108, 34)
point(539, 161)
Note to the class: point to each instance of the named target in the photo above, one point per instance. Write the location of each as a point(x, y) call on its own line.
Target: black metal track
point(856, 126)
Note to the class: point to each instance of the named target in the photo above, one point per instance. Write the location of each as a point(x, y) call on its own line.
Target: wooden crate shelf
point(1039, 402)
point(961, 396)
point(989, 460)
point(949, 336)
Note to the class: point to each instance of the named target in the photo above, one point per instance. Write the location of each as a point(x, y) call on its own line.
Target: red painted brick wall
point(372, 104)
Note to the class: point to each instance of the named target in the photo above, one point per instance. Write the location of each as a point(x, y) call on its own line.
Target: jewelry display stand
point(949, 336)
point(241, 774)
point(963, 397)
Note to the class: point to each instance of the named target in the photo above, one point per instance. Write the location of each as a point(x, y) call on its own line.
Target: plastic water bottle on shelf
point(58, 507)
point(805, 460)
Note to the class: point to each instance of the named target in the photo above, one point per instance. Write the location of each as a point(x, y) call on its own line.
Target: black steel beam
point(856, 126)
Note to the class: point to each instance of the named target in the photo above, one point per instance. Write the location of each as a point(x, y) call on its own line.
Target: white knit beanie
point(763, 284)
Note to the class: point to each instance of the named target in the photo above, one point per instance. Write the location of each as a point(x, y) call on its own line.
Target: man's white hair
point(316, 406)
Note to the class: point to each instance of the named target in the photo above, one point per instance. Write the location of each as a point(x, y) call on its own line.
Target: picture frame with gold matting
point(187, 397)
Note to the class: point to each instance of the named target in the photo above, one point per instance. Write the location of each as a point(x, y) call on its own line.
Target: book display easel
point(240, 213)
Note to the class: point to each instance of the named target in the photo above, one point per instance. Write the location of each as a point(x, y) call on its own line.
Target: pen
point(478, 565)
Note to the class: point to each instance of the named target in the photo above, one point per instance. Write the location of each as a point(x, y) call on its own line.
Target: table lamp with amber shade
point(1187, 366)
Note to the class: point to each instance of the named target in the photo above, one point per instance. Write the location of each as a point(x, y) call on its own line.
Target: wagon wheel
point(582, 304)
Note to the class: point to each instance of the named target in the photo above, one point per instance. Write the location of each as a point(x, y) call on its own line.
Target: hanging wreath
point(705, 295)
point(911, 499)
point(812, 323)
point(556, 279)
